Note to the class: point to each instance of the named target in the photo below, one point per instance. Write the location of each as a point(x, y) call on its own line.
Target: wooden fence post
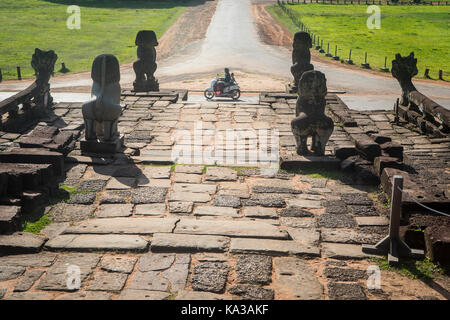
point(19, 74)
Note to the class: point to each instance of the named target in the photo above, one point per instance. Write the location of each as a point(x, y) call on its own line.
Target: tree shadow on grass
point(134, 4)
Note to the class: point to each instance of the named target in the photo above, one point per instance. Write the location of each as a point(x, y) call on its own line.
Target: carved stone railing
point(432, 118)
point(31, 103)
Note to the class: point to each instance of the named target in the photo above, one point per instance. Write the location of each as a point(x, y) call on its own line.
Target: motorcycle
point(219, 88)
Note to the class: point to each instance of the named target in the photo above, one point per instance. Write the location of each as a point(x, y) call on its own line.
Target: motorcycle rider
point(227, 78)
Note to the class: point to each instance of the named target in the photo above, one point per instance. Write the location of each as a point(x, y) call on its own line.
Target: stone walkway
point(138, 227)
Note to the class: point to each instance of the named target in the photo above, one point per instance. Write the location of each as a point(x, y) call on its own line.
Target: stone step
point(35, 155)
point(169, 242)
point(90, 242)
point(274, 247)
point(21, 242)
point(9, 218)
point(144, 226)
point(24, 175)
point(230, 228)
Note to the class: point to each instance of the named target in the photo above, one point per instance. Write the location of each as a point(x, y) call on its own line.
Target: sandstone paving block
point(273, 247)
point(27, 281)
point(343, 251)
point(295, 212)
point(108, 281)
point(54, 229)
point(149, 195)
point(115, 196)
point(155, 261)
point(230, 228)
point(114, 210)
point(345, 291)
point(177, 276)
point(252, 292)
point(254, 269)
point(189, 196)
point(150, 281)
point(124, 226)
point(260, 212)
point(265, 200)
point(274, 186)
point(234, 193)
point(120, 183)
point(29, 296)
point(21, 242)
point(199, 295)
point(152, 209)
point(187, 178)
point(195, 188)
point(118, 264)
point(371, 221)
point(294, 279)
point(58, 276)
point(181, 207)
point(10, 272)
point(356, 198)
point(304, 235)
point(299, 222)
point(328, 220)
point(85, 295)
point(215, 211)
point(189, 169)
point(167, 242)
point(157, 172)
point(220, 174)
point(157, 183)
point(210, 276)
point(40, 260)
point(132, 294)
point(82, 198)
point(305, 204)
point(97, 242)
point(92, 185)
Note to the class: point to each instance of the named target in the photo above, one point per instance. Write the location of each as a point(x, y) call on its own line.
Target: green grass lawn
point(106, 27)
point(422, 29)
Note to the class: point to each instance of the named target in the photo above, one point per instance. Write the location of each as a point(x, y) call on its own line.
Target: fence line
point(299, 24)
point(369, 2)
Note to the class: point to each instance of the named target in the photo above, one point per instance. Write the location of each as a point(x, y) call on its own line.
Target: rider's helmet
point(227, 70)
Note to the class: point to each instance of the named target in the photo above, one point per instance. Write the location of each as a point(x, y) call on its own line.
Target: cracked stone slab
point(254, 269)
point(273, 247)
point(27, 281)
point(199, 295)
point(345, 291)
point(252, 292)
point(305, 236)
point(157, 172)
point(57, 277)
point(344, 274)
point(96, 242)
point(114, 210)
point(187, 178)
point(343, 251)
point(124, 226)
point(150, 281)
point(350, 236)
point(260, 212)
point(108, 281)
point(230, 228)
point(10, 272)
point(295, 279)
point(155, 261)
point(177, 276)
point(329, 220)
point(85, 295)
point(220, 174)
point(299, 222)
point(40, 260)
point(132, 294)
point(210, 276)
point(21, 242)
point(215, 211)
point(149, 195)
point(168, 242)
point(153, 209)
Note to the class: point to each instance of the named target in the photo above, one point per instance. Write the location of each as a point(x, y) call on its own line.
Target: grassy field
point(106, 27)
point(422, 29)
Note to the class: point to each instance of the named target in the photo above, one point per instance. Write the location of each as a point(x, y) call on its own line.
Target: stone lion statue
point(101, 114)
point(145, 66)
point(301, 57)
point(43, 63)
point(310, 114)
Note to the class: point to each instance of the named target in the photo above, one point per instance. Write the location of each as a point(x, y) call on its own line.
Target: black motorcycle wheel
point(236, 94)
point(208, 94)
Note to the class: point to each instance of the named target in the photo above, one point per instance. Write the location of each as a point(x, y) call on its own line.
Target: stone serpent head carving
point(145, 66)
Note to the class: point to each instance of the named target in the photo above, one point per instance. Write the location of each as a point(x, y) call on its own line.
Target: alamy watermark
point(74, 20)
point(374, 20)
point(374, 280)
point(73, 280)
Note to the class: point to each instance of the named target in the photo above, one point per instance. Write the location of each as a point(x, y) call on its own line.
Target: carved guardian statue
point(101, 114)
point(145, 66)
point(311, 120)
point(43, 63)
point(301, 57)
